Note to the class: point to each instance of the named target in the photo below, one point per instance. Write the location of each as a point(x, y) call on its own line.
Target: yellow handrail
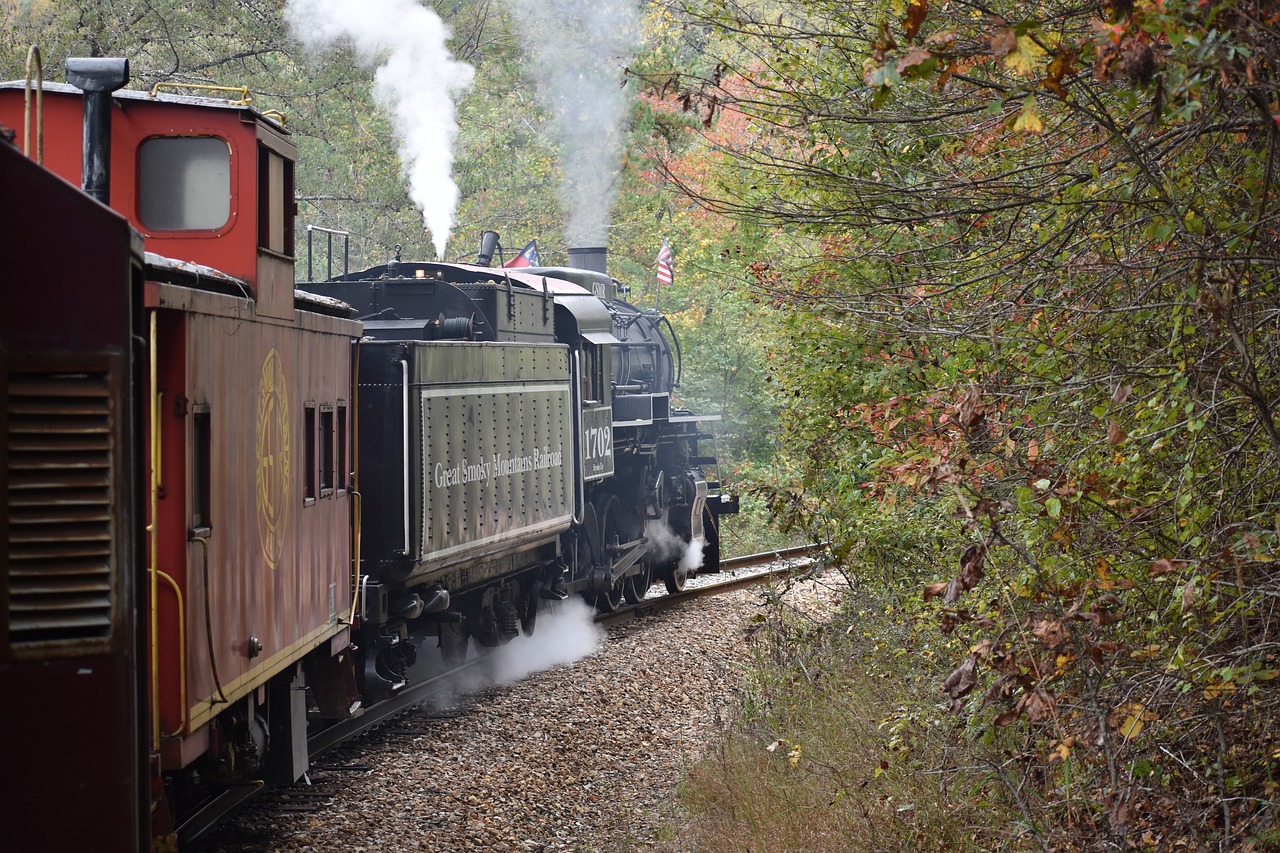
point(34, 55)
point(182, 654)
point(245, 98)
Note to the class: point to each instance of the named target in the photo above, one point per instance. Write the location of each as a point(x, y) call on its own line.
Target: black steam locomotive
point(518, 443)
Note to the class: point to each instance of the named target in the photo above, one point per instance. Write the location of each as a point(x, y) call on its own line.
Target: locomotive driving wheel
point(609, 524)
point(636, 587)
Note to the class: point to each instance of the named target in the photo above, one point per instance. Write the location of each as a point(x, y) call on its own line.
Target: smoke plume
point(579, 50)
point(416, 80)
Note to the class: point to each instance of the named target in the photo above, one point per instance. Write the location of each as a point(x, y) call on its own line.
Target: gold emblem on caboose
point(271, 479)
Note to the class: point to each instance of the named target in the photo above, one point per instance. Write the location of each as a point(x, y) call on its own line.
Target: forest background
point(987, 297)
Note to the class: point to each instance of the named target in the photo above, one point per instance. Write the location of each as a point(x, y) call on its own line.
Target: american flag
point(666, 268)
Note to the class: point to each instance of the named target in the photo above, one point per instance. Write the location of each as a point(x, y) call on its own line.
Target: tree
point(1037, 250)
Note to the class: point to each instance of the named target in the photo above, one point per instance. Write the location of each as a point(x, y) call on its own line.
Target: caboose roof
point(156, 98)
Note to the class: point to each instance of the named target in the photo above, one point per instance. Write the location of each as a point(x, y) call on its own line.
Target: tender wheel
point(453, 643)
point(636, 587)
point(529, 613)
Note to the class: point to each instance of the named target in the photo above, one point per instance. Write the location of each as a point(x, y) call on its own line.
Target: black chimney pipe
point(594, 259)
point(97, 78)
point(488, 245)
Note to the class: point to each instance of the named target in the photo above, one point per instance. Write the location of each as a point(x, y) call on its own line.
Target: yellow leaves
point(1147, 652)
point(1028, 121)
point(1130, 718)
point(1219, 687)
point(1026, 57)
point(1102, 568)
point(1061, 750)
point(1022, 55)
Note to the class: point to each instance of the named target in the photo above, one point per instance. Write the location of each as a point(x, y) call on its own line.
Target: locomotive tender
point(289, 491)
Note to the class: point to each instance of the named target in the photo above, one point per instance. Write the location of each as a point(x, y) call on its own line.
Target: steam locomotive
point(239, 508)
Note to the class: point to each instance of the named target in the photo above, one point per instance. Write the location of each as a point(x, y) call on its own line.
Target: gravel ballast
point(584, 756)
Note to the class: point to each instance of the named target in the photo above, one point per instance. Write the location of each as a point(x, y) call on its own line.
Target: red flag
point(528, 256)
point(666, 263)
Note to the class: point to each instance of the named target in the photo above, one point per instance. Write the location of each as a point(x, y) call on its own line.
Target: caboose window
point(184, 183)
point(327, 449)
point(340, 454)
point(309, 479)
point(201, 454)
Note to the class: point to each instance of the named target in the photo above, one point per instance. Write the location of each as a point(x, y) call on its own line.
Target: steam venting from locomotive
point(566, 634)
point(666, 544)
point(579, 50)
point(416, 80)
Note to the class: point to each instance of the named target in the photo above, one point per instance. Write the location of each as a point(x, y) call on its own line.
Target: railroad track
point(791, 560)
point(780, 562)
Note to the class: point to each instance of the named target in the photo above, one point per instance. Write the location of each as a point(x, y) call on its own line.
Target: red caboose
point(246, 564)
point(70, 701)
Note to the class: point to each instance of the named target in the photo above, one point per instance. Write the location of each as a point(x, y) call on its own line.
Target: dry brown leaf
point(1039, 705)
point(1116, 433)
point(1004, 41)
point(962, 680)
point(933, 590)
point(1051, 632)
point(1189, 596)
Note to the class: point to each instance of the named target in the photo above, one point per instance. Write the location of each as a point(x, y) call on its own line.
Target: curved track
point(783, 562)
point(791, 559)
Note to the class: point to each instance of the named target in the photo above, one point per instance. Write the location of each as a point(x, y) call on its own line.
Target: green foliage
point(1032, 303)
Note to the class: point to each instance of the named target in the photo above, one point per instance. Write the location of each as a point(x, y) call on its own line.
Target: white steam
point(666, 545)
point(416, 80)
point(565, 633)
point(579, 50)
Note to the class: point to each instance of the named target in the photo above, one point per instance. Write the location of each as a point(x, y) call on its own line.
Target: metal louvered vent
point(61, 553)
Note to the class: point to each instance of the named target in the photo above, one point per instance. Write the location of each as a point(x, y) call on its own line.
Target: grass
point(837, 746)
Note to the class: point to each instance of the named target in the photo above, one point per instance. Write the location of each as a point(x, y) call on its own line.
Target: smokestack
point(488, 245)
point(97, 78)
point(594, 259)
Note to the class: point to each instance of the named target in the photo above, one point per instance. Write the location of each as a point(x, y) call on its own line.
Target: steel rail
point(801, 557)
point(218, 808)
